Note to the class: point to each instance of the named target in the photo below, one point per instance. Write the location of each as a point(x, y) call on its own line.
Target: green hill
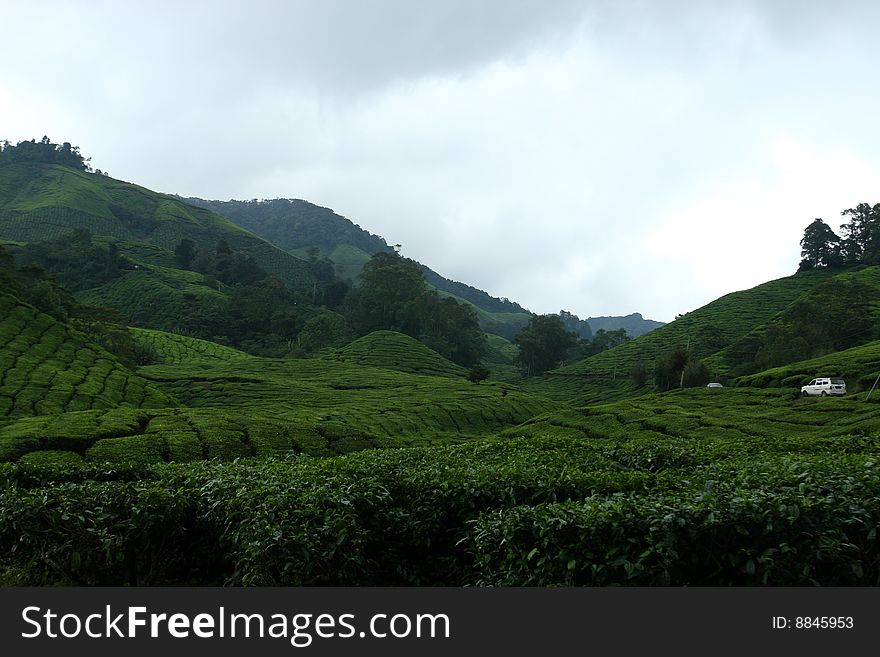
point(362, 402)
point(48, 368)
point(396, 351)
point(161, 297)
point(840, 312)
point(46, 201)
point(703, 332)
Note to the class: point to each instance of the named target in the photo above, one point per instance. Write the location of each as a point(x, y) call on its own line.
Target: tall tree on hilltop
point(861, 243)
point(820, 246)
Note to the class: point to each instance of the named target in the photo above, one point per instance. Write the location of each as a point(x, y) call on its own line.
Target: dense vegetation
point(733, 489)
point(298, 227)
point(860, 245)
point(43, 151)
point(387, 441)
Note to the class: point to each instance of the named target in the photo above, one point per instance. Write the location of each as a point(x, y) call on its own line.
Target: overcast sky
point(599, 157)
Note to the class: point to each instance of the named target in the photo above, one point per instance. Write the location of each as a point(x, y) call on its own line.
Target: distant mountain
point(294, 224)
point(634, 324)
point(297, 226)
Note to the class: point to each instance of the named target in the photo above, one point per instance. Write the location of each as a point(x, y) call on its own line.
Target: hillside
point(296, 225)
point(47, 201)
point(703, 332)
point(47, 368)
point(841, 312)
point(175, 349)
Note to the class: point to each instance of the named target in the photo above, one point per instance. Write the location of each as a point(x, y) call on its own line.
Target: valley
point(263, 393)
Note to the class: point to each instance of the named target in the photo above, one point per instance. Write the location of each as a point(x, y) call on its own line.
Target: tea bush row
point(548, 511)
point(789, 523)
point(386, 516)
point(47, 368)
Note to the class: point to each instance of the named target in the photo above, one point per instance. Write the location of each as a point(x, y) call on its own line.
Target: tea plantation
point(379, 462)
point(745, 487)
point(48, 368)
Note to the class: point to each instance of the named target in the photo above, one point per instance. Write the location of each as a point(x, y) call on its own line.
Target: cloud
point(603, 157)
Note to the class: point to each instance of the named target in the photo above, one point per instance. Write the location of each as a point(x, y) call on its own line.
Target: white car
point(824, 387)
point(714, 385)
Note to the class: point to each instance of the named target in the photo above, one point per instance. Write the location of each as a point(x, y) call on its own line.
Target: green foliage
point(393, 296)
point(708, 329)
point(47, 368)
point(478, 373)
point(820, 246)
point(859, 366)
point(43, 152)
point(809, 525)
point(679, 368)
point(861, 243)
point(326, 329)
point(294, 224)
point(389, 287)
point(543, 343)
point(171, 348)
point(601, 341)
point(837, 314)
point(746, 487)
point(184, 253)
point(396, 351)
point(76, 261)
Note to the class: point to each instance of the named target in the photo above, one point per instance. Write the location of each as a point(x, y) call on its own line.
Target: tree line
point(43, 152)
point(859, 244)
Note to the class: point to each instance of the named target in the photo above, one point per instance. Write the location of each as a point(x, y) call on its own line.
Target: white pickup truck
point(824, 387)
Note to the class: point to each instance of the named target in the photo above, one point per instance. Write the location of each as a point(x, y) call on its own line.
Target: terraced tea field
point(47, 368)
point(138, 436)
point(157, 297)
point(174, 349)
point(696, 426)
point(372, 401)
point(698, 487)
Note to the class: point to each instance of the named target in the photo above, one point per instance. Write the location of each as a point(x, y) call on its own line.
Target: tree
point(388, 283)
point(639, 375)
point(820, 246)
point(543, 343)
point(861, 243)
point(669, 368)
point(184, 253)
point(394, 296)
point(478, 373)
